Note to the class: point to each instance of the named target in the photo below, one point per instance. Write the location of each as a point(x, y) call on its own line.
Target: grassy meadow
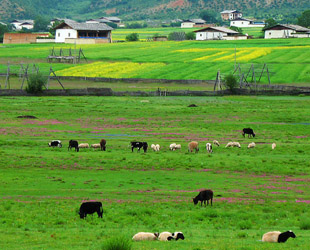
point(256, 190)
point(287, 59)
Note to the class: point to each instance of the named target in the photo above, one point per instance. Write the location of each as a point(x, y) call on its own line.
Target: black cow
point(91, 207)
point(203, 196)
point(55, 143)
point(73, 144)
point(248, 131)
point(103, 142)
point(139, 145)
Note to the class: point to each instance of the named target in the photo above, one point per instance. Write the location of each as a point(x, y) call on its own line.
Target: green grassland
point(287, 59)
point(256, 190)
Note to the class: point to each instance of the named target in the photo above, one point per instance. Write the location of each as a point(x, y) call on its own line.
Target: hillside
point(151, 9)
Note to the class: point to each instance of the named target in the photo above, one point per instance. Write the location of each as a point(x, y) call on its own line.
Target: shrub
point(132, 37)
point(117, 243)
point(190, 36)
point(35, 83)
point(243, 225)
point(230, 82)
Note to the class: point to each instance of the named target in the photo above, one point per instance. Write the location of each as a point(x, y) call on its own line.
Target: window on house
point(68, 34)
point(200, 34)
point(58, 34)
point(269, 33)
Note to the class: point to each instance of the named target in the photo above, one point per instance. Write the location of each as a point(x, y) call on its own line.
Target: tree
point(239, 30)
point(3, 29)
point(270, 22)
point(209, 16)
point(52, 29)
point(190, 36)
point(230, 82)
point(132, 37)
point(304, 19)
point(41, 24)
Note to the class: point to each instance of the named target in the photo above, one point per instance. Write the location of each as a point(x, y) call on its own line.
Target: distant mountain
point(147, 9)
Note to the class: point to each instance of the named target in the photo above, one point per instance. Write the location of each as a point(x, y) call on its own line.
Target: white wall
point(62, 34)
point(277, 33)
point(187, 25)
point(245, 24)
point(209, 35)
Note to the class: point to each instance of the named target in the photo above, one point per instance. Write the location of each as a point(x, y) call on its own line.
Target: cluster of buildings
point(95, 31)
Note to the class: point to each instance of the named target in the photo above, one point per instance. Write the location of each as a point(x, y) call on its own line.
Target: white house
point(246, 23)
point(286, 31)
point(218, 33)
point(111, 19)
point(19, 24)
point(74, 32)
point(230, 14)
point(192, 23)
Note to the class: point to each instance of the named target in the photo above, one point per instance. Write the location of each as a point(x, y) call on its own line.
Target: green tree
point(190, 35)
point(132, 37)
point(3, 29)
point(230, 82)
point(52, 29)
point(270, 22)
point(304, 19)
point(209, 16)
point(236, 29)
point(41, 24)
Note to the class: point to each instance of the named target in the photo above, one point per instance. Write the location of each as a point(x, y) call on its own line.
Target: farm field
point(256, 190)
point(287, 59)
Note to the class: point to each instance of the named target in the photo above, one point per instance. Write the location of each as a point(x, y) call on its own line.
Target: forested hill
point(147, 9)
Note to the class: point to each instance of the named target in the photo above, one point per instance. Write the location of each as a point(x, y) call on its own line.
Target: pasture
point(287, 59)
point(256, 190)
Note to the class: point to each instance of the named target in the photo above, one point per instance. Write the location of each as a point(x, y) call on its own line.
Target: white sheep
point(172, 146)
point(209, 147)
point(153, 147)
point(165, 236)
point(145, 236)
point(177, 146)
point(96, 145)
point(157, 147)
point(233, 144)
point(273, 146)
point(277, 236)
point(83, 145)
point(215, 142)
point(252, 145)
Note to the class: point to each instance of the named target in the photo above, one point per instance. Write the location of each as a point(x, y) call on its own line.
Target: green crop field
point(256, 190)
point(287, 59)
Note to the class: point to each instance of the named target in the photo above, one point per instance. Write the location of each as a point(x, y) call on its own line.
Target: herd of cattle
point(192, 146)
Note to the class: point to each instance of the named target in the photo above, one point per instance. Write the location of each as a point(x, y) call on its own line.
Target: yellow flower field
point(113, 70)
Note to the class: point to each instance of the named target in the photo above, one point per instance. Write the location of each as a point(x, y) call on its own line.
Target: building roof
point(23, 21)
point(84, 26)
point(196, 21)
point(218, 29)
point(294, 27)
point(112, 18)
point(230, 11)
point(241, 19)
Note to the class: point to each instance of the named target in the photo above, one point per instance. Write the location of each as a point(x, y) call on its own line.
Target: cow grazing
point(55, 143)
point(248, 131)
point(73, 144)
point(90, 207)
point(203, 196)
point(139, 145)
point(103, 142)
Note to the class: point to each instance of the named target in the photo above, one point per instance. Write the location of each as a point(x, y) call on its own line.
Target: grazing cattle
point(248, 131)
point(139, 145)
point(91, 207)
point(55, 143)
point(103, 142)
point(209, 147)
point(203, 196)
point(73, 144)
point(193, 146)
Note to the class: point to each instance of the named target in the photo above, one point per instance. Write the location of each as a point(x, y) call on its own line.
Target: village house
point(20, 24)
point(286, 31)
point(111, 19)
point(246, 23)
point(191, 23)
point(230, 15)
point(83, 33)
point(218, 33)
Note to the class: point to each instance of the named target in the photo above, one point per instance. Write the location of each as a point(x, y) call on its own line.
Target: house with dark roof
point(218, 33)
point(111, 19)
point(286, 31)
point(190, 23)
point(19, 24)
point(246, 23)
point(230, 14)
point(83, 33)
